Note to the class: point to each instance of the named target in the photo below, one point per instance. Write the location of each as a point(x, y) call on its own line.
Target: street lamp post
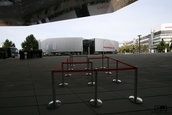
point(139, 42)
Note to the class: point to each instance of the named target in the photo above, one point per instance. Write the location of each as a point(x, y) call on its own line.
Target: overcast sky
point(122, 25)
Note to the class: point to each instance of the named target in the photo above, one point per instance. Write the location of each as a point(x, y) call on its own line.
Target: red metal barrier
point(97, 58)
point(95, 102)
point(76, 62)
point(120, 62)
point(105, 57)
point(91, 70)
point(61, 64)
point(107, 70)
point(78, 56)
point(59, 71)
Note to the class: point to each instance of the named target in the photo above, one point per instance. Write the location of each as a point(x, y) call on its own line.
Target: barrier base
point(68, 75)
point(98, 103)
point(137, 101)
point(117, 81)
point(108, 72)
point(63, 84)
point(102, 67)
point(51, 104)
point(91, 83)
point(73, 65)
point(88, 74)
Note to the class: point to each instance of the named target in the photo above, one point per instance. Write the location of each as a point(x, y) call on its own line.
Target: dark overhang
point(28, 12)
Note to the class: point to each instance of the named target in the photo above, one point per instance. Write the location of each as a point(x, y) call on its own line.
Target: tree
point(30, 43)
point(133, 48)
point(128, 48)
point(161, 46)
point(8, 44)
point(144, 48)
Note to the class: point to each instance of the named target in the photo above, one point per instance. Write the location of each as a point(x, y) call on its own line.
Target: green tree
point(144, 48)
point(30, 43)
point(128, 48)
point(137, 48)
point(162, 46)
point(133, 48)
point(8, 44)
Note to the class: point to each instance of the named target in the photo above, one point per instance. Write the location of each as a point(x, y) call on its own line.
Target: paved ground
point(25, 87)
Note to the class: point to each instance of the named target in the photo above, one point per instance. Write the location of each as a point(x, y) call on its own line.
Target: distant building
point(77, 45)
point(62, 45)
point(158, 33)
point(162, 32)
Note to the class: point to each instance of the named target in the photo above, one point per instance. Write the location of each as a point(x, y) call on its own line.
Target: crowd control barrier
point(95, 102)
point(102, 62)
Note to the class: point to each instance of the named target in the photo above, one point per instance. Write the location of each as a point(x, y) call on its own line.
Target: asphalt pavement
point(26, 86)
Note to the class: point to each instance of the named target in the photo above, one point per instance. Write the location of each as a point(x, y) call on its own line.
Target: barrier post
point(117, 74)
point(54, 103)
point(108, 72)
point(135, 99)
point(88, 66)
point(92, 81)
point(67, 65)
point(71, 57)
point(68, 74)
point(107, 62)
point(95, 102)
point(87, 63)
point(70, 60)
point(103, 62)
point(63, 84)
point(71, 64)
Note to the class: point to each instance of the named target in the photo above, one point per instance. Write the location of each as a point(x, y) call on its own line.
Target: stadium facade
point(78, 45)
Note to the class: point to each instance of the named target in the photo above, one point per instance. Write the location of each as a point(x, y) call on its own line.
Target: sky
point(123, 25)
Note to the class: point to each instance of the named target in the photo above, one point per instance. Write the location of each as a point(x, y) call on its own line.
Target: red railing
point(104, 57)
point(54, 103)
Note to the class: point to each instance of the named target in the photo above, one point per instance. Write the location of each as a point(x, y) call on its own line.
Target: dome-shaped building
point(78, 45)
